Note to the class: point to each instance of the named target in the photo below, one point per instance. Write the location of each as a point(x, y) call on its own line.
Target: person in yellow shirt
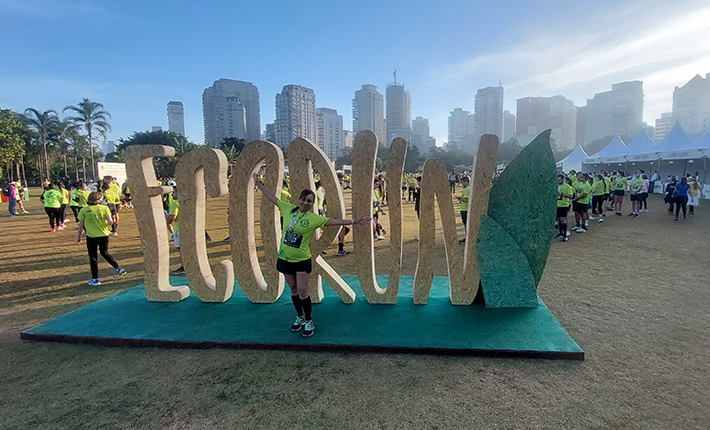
point(63, 203)
point(463, 203)
point(581, 202)
point(173, 219)
point(619, 187)
point(52, 202)
point(598, 193)
point(112, 195)
point(96, 219)
point(564, 196)
point(294, 257)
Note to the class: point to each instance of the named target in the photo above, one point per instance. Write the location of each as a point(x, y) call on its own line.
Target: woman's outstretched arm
point(268, 194)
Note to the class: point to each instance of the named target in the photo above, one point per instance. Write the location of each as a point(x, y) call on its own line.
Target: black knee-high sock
point(297, 304)
point(563, 229)
point(307, 307)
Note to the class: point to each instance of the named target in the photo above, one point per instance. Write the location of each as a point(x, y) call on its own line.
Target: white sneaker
point(379, 237)
point(575, 228)
point(581, 230)
point(601, 219)
point(592, 218)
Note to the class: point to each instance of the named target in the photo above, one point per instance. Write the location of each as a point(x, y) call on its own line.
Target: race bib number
point(292, 239)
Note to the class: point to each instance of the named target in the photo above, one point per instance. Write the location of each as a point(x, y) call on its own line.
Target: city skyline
point(134, 74)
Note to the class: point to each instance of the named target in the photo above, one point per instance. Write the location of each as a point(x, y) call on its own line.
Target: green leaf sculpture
point(519, 227)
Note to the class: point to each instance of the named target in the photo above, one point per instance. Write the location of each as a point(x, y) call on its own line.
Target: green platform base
point(128, 319)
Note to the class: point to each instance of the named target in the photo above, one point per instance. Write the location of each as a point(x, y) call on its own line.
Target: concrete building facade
point(618, 111)
point(508, 126)
point(330, 137)
point(536, 114)
point(231, 109)
point(176, 117)
point(461, 126)
point(421, 135)
point(691, 105)
point(399, 112)
point(369, 112)
point(295, 115)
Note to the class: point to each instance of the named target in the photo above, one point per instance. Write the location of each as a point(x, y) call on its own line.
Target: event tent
point(573, 160)
point(615, 150)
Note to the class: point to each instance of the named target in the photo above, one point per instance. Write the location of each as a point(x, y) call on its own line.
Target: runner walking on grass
point(619, 191)
point(294, 258)
point(52, 202)
point(564, 196)
point(96, 219)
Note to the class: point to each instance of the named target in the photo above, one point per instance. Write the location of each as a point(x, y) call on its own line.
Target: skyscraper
point(508, 126)
point(663, 126)
point(537, 114)
point(330, 132)
point(295, 115)
point(369, 112)
point(420, 135)
point(618, 111)
point(176, 118)
point(461, 128)
point(348, 137)
point(270, 132)
point(691, 105)
point(231, 109)
point(399, 112)
point(488, 112)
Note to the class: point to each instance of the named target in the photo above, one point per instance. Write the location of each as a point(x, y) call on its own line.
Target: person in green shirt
point(173, 220)
point(63, 203)
point(580, 202)
point(619, 187)
point(294, 258)
point(112, 195)
point(463, 203)
point(77, 198)
point(52, 202)
point(598, 192)
point(96, 219)
point(564, 196)
point(635, 189)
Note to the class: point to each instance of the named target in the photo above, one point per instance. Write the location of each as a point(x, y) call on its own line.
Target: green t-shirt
point(620, 183)
point(295, 245)
point(65, 196)
point(599, 187)
point(94, 217)
point(607, 181)
point(320, 198)
point(584, 188)
point(464, 195)
point(636, 185)
point(375, 200)
point(74, 197)
point(175, 210)
point(52, 199)
point(285, 194)
point(113, 194)
point(564, 188)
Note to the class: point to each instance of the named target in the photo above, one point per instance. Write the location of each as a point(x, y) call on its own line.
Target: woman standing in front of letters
point(298, 225)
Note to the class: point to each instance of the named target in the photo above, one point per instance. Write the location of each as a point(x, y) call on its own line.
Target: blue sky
point(135, 56)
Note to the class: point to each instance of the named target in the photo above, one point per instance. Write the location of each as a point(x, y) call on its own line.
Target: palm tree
point(65, 131)
point(93, 117)
point(43, 124)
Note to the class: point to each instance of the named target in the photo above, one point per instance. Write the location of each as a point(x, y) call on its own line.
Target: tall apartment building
point(663, 125)
point(508, 126)
point(420, 135)
point(176, 118)
point(488, 113)
point(295, 115)
point(369, 112)
point(270, 132)
point(330, 136)
point(399, 112)
point(618, 111)
point(461, 127)
point(691, 105)
point(231, 109)
point(348, 138)
point(536, 114)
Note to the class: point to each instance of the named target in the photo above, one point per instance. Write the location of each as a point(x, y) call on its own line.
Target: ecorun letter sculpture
point(504, 253)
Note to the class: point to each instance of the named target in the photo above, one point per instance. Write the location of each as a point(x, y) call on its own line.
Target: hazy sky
point(135, 56)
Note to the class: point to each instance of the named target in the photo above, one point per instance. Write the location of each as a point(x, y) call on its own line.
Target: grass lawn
point(633, 293)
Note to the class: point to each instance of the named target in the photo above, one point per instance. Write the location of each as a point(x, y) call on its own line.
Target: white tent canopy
point(615, 149)
point(642, 148)
point(674, 140)
point(573, 160)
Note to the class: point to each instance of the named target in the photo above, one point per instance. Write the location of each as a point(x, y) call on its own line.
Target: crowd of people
point(584, 192)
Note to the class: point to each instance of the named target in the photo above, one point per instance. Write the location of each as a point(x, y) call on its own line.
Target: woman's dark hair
point(105, 186)
point(305, 193)
point(683, 180)
point(50, 186)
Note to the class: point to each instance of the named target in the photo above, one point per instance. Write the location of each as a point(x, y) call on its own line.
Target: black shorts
point(606, 196)
point(644, 196)
point(562, 211)
point(635, 197)
point(290, 268)
point(579, 207)
point(619, 192)
point(113, 208)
